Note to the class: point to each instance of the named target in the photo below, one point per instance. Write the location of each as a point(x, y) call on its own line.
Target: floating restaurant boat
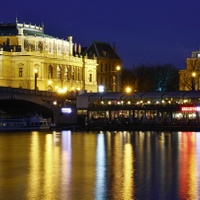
point(25, 123)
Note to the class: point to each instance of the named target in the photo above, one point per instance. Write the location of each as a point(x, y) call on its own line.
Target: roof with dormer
point(101, 50)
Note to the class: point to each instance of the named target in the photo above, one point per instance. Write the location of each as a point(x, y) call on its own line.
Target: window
point(101, 67)
point(50, 72)
point(20, 72)
point(73, 73)
point(90, 77)
point(78, 74)
point(67, 73)
point(58, 72)
point(101, 81)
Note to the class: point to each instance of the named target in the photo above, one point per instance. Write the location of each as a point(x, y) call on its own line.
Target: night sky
point(144, 31)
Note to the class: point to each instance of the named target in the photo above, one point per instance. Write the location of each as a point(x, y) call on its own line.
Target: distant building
point(31, 59)
point(109, 65)
point(189, 79)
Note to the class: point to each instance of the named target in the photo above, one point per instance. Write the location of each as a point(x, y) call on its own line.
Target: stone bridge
point(15, 101)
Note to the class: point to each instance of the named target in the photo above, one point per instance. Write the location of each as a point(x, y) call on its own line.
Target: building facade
point(168, 108)
point(189, 79)
point(31, 59)
point(109, 65)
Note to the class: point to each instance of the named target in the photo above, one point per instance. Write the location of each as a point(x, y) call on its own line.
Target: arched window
point(59, 72)
point(50, 72)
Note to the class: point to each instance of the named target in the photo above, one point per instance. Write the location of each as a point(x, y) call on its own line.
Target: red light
point(189, 109)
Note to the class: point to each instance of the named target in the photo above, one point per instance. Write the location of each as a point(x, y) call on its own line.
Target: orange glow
point(188, 180)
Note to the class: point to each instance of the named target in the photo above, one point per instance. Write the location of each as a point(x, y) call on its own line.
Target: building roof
point(8, 29)
point(102, 50)
point(142, 95)
point(34, 33)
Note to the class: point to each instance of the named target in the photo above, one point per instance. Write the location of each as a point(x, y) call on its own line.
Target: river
point(99, 165)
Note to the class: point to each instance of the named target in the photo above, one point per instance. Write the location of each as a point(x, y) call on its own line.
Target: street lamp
point(193, 80)
point(128, 90)
point(36, 76)
point(118, 68)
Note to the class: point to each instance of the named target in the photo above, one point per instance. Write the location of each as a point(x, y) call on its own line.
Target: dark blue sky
point(144, 31)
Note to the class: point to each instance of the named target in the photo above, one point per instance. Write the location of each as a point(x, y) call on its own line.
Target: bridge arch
point(23, 107)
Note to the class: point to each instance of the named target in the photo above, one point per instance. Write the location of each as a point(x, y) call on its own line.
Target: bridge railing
point(26, 91)
point(39, 93)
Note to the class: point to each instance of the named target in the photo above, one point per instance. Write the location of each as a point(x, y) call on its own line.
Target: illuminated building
point(109, 65)
point(25, 49)
point(175, 107)
point(189, 78)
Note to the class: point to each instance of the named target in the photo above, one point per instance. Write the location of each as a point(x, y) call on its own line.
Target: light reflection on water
point(99, 165)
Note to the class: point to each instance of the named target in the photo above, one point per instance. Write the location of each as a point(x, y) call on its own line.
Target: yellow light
point(118, 68)
point(61, 90)
point(128, 90)
point(193, 74)
point(36, 70)
point(49, 82)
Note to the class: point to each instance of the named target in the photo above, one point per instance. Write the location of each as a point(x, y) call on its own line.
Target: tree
point(128, 79)
point(166, 78)
point(152, 77)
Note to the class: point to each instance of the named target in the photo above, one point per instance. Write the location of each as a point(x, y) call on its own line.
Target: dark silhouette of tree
point(152, 77)
point(128, 79)
point(166, 78)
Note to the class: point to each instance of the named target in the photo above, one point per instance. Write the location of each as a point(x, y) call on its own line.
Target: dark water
point(100, 165)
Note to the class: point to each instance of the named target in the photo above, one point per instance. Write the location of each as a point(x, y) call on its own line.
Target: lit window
point(20, 72)
point(73, 73)
point(58, 72)
point(66, 73)
point(78, 74)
